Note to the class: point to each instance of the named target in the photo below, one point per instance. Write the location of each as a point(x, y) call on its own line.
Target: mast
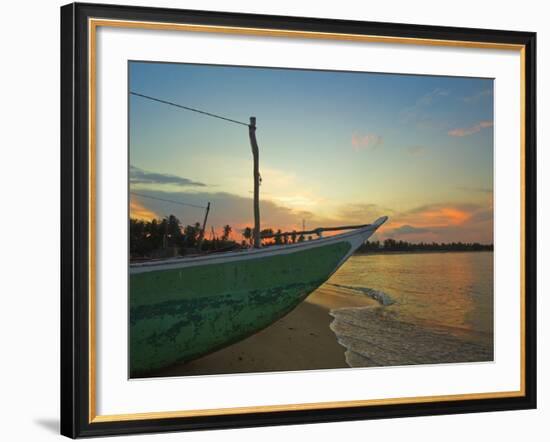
point(255, 154)
point(201, 238)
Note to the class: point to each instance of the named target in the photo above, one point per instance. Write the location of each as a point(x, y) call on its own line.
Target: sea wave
point(377, 295)
point(376, 336)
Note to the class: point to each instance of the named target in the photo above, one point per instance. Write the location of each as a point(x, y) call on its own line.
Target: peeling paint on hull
point(181, 313)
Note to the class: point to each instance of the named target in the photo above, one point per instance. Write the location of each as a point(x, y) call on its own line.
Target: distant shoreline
point(403, 252)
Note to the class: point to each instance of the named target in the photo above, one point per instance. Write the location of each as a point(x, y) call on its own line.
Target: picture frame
point(79, 202)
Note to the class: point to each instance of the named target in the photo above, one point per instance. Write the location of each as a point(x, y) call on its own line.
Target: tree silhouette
point(278, 238)
point(248, 235)
point(226, 232)
point(191, 234)
point(167, 237)
point(392, 245)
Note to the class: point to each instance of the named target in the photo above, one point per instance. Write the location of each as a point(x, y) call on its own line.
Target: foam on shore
point(377, 336)
point(377, 295)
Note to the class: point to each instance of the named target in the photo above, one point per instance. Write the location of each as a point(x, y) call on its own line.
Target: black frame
point(75, 220)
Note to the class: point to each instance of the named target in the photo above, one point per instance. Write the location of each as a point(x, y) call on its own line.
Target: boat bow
point(183, 308)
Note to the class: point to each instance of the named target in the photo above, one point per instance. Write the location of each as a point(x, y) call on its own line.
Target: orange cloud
point(441, 216)
point(426, 218)
point(462, 132)
point(442, 223)
point(138, 211)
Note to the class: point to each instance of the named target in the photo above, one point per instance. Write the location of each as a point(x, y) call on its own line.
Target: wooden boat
point(183, 308)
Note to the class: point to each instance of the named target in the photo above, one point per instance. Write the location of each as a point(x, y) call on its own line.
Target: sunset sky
point(335, 148)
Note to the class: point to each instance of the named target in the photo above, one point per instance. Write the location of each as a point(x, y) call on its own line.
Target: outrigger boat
point(183, 308)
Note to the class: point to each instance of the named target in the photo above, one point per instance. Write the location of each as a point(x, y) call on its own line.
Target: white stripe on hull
point(355, 238)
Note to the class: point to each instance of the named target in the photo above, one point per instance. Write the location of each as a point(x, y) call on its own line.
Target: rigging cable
point(188, 108)
point(168, 201)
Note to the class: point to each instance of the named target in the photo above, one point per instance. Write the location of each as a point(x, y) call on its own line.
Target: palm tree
point(278, 239)
point(173, 226)
point(226, 232)
point(192, 233)
point(247, 234)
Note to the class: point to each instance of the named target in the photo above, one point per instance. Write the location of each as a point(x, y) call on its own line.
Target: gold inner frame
point(93, 24)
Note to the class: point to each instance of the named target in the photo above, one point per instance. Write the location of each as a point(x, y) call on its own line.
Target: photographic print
point(273, 220)
point(289, 219)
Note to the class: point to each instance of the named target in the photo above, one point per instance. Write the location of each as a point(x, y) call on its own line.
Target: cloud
point(445, 222)
point(408, 230)
point(430, 97)
point(139, 211)
point(225, 208)
point(140, 176)
point(237, 211)
point(478, 96)
point(362, 213)
point(288, 189)
point(465, 131)
point(418, 112)
point(436, 215)
point(368, 141)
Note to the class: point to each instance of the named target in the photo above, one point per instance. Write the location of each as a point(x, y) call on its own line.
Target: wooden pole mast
point(204, 226)
point(255, 153)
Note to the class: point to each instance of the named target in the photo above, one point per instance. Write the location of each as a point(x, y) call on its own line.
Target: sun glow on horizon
point(139, 211)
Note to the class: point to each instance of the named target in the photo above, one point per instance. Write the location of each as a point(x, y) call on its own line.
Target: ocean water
point(430, 308)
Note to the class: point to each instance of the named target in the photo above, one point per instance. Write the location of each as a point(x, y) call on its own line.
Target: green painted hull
point(179, 314)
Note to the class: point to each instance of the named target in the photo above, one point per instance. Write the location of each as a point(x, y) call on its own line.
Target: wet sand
point(302, 340)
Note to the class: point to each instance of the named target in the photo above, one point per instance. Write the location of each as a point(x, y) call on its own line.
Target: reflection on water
point(443, 310)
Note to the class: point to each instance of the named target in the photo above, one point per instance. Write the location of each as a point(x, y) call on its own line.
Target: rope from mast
point(158, 100)
point(168, 201)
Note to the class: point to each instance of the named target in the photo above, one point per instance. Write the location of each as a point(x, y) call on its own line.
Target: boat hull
point(179, 312)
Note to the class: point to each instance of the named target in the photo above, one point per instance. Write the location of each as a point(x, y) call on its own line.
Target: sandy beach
point(302, 340)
